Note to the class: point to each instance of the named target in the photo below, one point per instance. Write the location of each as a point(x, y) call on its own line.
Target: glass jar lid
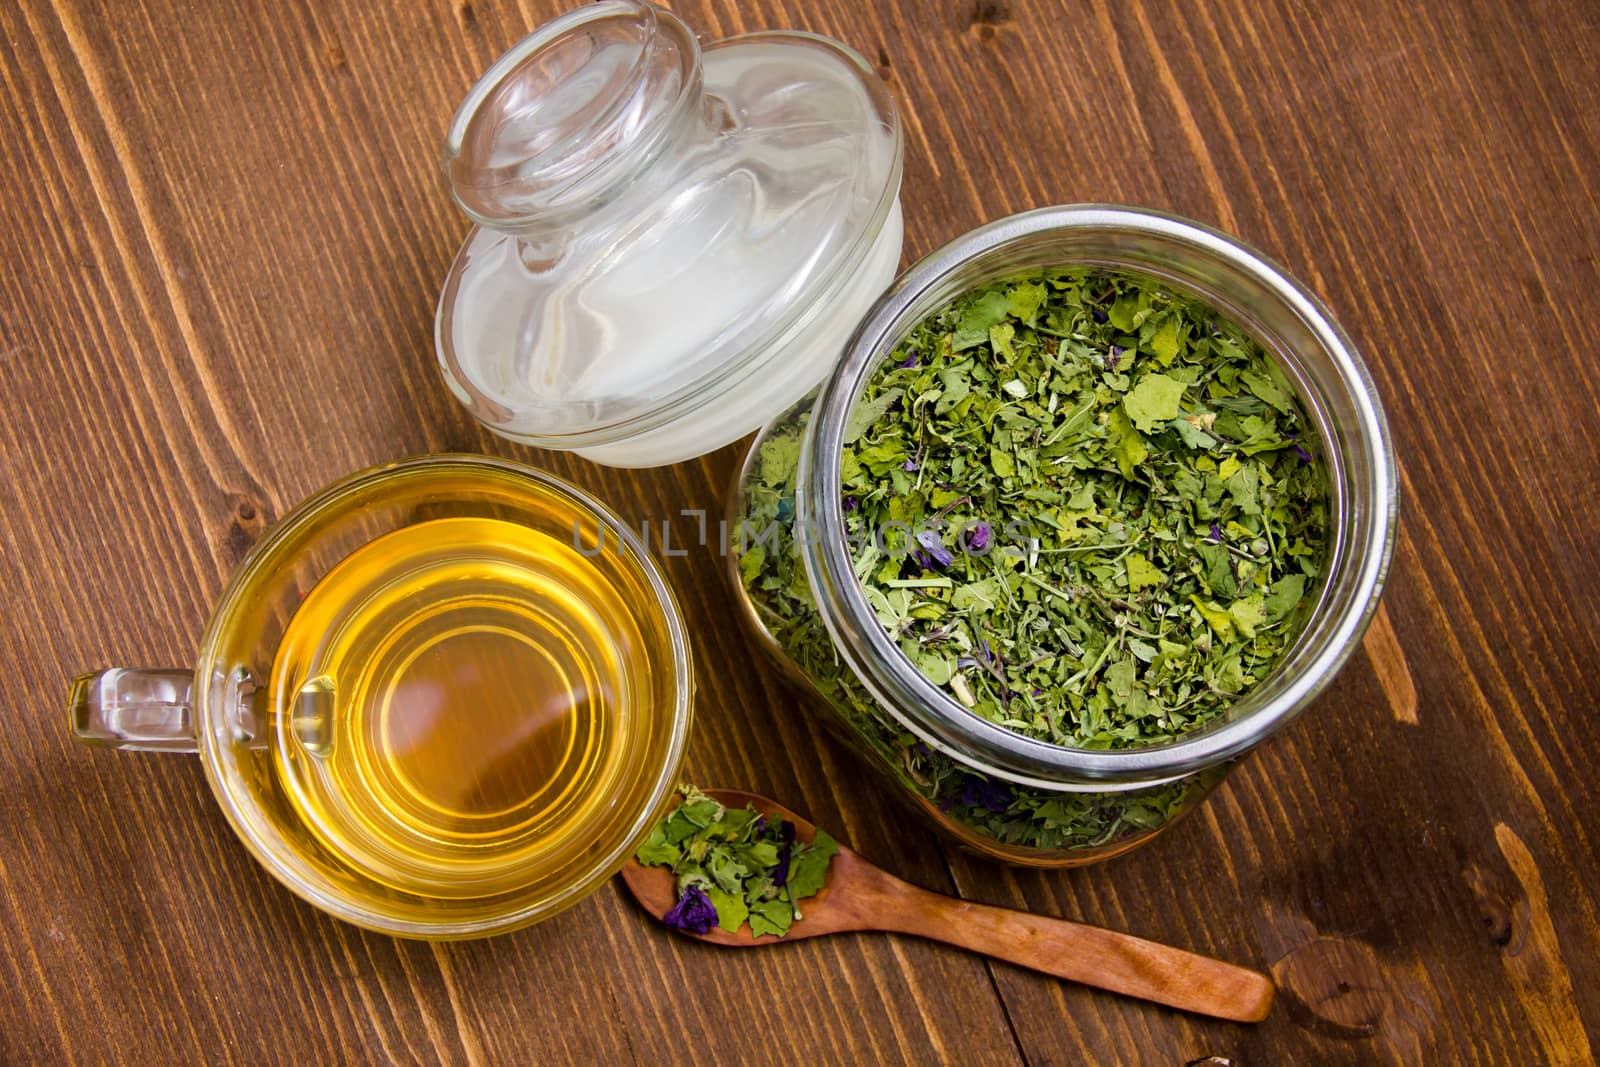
point(673, 243)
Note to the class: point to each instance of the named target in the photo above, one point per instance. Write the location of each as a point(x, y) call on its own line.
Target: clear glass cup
point(1000, 793)
point(672, 240)
point(225, 708)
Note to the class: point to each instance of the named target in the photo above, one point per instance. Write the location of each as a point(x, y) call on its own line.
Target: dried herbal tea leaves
point(735, 866)
point(1087, 507)
point(1012, 816)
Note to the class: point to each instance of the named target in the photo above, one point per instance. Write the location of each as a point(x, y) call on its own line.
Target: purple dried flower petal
point(1099, 316)
point(910, 466)
point(1216, 533)
point(936, 552)
point(910, 361)
point(780, 873)
point(978, 537)
point(1305, 457)
point(850, 504)
point(980, 793)
point(1113, 358)
point(694, 913)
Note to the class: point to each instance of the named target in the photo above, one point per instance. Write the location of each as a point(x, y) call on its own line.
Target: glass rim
point(926, 709)
point(263, 556)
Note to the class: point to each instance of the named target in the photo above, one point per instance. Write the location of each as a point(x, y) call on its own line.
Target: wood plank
point(222, 235)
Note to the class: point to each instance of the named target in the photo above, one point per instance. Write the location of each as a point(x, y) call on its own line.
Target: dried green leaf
point(866, 412)
point(1142, 574)
point(771, 917)
point(1285, 596)
point(732, 911)
point(1131, 449)
point(1154, 401)
point(1164, 344)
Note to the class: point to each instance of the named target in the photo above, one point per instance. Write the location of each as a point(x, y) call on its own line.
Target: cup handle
point(143, 710)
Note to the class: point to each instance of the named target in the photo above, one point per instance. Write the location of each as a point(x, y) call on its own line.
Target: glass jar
point(996, 791)
point(672, 242)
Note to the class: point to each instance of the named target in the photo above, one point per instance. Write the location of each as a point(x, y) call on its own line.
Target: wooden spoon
point(859, 896)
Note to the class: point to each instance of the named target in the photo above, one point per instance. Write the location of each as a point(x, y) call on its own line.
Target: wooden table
point(222, 234)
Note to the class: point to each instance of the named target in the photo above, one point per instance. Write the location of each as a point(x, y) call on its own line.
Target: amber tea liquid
point(449, 704)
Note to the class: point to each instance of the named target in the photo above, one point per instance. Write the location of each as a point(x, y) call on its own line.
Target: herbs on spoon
point(734, 865)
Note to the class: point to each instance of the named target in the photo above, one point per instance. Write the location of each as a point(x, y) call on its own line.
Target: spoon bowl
point(859, 896)
point(655, 888)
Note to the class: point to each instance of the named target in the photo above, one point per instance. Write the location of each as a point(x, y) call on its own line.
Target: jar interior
point(1335, 393)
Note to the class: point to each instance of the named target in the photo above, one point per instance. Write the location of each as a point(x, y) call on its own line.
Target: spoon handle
point(1090, 955)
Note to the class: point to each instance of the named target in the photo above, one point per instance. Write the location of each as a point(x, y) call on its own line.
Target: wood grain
point(222, 233)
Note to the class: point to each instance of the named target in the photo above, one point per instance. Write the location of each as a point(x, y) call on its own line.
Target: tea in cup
point(443, 698)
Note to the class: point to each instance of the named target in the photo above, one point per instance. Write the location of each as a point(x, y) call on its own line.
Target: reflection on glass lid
point(671, 246)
